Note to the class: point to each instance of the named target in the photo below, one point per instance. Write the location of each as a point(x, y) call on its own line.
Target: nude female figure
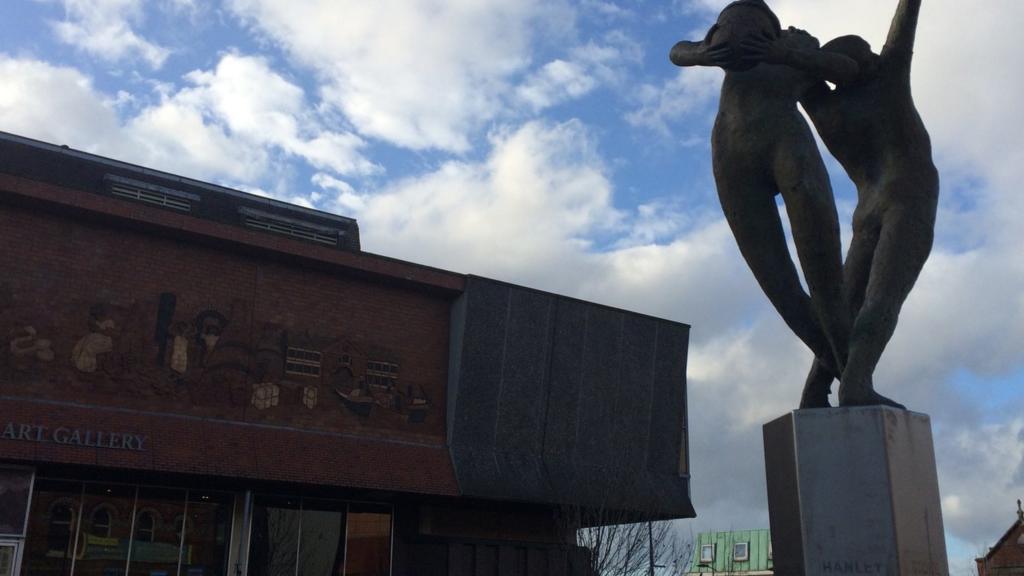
point(763, 147)
point(870, 124)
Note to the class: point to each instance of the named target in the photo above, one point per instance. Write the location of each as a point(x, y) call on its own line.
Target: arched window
point(58, 538)
point(180, 524)
point(101, 522)
point(145, 526)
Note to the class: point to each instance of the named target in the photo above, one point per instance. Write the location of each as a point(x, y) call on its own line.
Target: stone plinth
point(854, 491)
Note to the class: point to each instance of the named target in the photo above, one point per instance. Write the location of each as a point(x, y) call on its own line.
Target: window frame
point(109, 511)
point(303, 362)
point(139, 529)
point(80, 525)
point(704, 559)
point(72, 525)
point(348, 505)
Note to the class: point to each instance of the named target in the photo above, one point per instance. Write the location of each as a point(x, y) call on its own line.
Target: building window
point(101, 521)
point(145, 531)
point(707, 553)
point(179, 527)
point(145, 527)
point(368, 540)
point(305, 537)
point(156, 547)
point(741, 551)
point(303, 362)
point(59, 535)
point(53, 520)
point(381, 374)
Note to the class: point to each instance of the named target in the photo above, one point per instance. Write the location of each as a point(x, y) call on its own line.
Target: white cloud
point(605, 9)
point(689, 92)
point(54, 104)
point(104, 29)
point(977, 493)
point(554, 83)
point(416, 74)
point(526, 209)
point(346, 200)
point(586, 67)
point(233, 123)
point(176, 136)
point(259, 105)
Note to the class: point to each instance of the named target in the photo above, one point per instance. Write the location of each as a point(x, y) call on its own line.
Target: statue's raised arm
point(820, 64)
point(687, 53)
point(899, 45)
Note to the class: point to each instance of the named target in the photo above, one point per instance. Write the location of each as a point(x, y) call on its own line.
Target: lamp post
point(650, 549)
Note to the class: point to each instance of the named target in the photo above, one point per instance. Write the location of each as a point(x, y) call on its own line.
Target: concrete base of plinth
point(854, 491)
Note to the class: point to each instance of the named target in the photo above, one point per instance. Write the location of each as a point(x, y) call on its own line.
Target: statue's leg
point(904, 242)
point(856, 271)
point(807, 191)
point(817, 386)
point(857, 267)
point(749, 207)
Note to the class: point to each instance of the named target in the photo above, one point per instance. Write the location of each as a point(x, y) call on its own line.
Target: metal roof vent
point(149, 193)
point(259, 220)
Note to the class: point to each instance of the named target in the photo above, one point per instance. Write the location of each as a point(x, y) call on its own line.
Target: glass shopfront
point(307, 537)
point(105, 529)
point(15, 494)
point(92, 529)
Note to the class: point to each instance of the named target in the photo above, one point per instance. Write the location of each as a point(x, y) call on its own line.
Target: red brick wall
point(103, 316)
point(1008, 557)
point(188, 445)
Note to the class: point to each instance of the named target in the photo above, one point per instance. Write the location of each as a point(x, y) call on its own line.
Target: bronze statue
point(763, 147)
point(869, 123)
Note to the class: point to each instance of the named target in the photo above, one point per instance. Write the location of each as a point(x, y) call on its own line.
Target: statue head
point(799, 39)
point(859, 50)
point(742, 19)
point(757, 5)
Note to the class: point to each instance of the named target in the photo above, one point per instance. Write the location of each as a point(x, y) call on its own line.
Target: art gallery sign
point(74, 436)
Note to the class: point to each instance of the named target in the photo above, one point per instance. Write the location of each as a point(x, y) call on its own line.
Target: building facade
point(1006, 557)
point(737, 553)
point(195, 381)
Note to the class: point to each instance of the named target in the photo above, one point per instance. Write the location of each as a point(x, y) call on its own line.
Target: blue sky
point(551, 143)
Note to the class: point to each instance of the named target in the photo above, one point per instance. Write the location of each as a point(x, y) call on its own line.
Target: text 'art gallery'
point(195, 381)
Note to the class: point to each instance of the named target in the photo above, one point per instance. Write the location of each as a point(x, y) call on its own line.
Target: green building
point(740, 552)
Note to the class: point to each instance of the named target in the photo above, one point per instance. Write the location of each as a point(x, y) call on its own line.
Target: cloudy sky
point(550, 143)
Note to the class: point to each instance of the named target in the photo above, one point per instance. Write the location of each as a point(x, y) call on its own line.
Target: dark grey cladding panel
point(556, 400)
point(522, 475)
point(596, 439)
point(565, 377)
point(668, 414)
point(477, 469)
point(485, 317)
point(636, 380)
point(523, 395)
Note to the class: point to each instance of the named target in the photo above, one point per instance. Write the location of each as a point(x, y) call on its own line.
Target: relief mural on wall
point(216, 362)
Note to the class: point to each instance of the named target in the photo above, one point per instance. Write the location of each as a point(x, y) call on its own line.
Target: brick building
point(195, 381)
point(1006, 558)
